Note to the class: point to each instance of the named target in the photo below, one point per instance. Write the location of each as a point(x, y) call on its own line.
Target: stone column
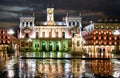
point(54, 43)
point(47, 45)
point(24, 24)
point(67, 23)
point(62, 46)
point(72, 23)
point(53, 33)
point(46, 33)
point(21, 23)
point(59, 33)
point(33, 34)
point(33, 23)
point(80, 26)
point(66, 33)
point(40, 46)
point(28, 23)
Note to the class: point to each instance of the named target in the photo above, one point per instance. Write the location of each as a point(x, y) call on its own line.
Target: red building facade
point(100, 38)
point(5, 39)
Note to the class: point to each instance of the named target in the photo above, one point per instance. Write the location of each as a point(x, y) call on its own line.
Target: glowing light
point(67, 67)
point(29, 40)
point(116, 32)
point(43, 54)
point(51, 54)
point(53, 68)
point(10, 73)
point(11, 32)
point(43, 43)
point(60, 68)
point(50, 43)
point(59, 54)
point(57, 43)
point(116, 74)
point(46, 68)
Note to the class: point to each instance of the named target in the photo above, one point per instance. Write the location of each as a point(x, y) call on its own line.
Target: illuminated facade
point(51, 36)
point(100, 38)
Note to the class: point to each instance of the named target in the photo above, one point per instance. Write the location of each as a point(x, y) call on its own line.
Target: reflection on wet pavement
point(60, 68)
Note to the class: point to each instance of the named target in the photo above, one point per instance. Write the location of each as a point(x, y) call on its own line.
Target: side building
point(7, 42)
point(101, 38)
point(5, 39)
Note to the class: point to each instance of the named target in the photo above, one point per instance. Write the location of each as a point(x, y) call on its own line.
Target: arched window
point(30, 23)
point(70, 33)
point(63, 34)
point(43, 34)
point(73, 23)
point(26, 23)
point(56, 34)
point(69, 23)
point(37, 34)
point(50, 34)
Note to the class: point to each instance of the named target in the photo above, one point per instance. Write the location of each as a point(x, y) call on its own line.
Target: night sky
point(90, 9)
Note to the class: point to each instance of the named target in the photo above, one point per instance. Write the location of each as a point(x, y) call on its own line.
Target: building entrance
point(43, 46)
point(50, 46)
point(57, 46)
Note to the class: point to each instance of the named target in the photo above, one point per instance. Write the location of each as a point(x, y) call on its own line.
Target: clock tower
point(50, 16)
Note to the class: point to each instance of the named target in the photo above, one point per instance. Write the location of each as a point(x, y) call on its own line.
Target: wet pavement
point(59, 68)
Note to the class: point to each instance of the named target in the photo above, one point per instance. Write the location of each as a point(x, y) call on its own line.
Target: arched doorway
point(63, 34)
point(43, 46)
point(50, 46)
point(57, 46)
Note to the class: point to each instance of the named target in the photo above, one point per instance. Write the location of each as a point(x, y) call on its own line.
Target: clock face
point(50, 11)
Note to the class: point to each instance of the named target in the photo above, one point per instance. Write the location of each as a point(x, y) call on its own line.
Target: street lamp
point(11, 32)
point(116, 33)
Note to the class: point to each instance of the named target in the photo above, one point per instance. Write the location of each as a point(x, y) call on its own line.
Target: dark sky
point(90, 9)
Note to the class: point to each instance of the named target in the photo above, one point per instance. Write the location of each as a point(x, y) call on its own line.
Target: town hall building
point(52, 35)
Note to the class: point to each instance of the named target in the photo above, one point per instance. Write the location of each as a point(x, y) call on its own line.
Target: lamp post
point(11, 32)
point(116, 33)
